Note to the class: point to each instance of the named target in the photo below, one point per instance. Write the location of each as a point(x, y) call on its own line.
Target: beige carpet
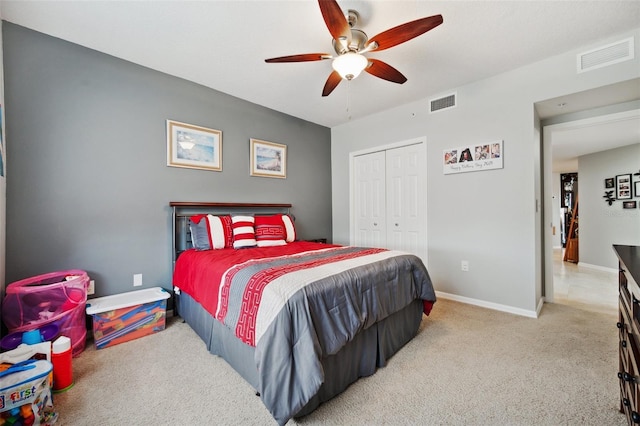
point(468, 365)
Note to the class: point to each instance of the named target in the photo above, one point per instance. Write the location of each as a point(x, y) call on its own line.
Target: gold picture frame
point(268, 159)
point(193, 147)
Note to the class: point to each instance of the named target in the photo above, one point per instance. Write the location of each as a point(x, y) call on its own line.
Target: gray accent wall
point(88, 186)
point(602, 225)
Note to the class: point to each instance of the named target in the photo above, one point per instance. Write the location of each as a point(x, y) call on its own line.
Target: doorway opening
point(587, 283)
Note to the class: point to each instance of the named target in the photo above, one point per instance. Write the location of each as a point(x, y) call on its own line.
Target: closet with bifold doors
point(389, 198)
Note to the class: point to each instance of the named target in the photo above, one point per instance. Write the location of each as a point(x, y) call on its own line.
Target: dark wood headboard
point(183, 210)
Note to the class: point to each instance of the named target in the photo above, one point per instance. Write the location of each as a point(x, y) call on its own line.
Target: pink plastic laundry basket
point(57, 297)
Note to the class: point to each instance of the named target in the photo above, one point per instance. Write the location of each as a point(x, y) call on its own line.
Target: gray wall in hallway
point(602, 225)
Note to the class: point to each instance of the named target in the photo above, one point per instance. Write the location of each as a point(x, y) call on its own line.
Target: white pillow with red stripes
point(244, 234)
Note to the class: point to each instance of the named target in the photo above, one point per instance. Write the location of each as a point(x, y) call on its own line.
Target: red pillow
point(228, 230)
point(270, 231)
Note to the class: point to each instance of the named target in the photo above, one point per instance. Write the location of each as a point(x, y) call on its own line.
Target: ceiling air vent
point(444, 102)
point(606, 55)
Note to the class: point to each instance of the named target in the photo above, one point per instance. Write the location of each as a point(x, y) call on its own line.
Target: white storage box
point(127, 316)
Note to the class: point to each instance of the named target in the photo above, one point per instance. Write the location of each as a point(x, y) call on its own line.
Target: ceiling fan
point(350, 45)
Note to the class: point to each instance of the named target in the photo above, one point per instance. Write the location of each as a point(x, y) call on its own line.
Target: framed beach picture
point(623, 187)
point(268, 159)
point(193, 147)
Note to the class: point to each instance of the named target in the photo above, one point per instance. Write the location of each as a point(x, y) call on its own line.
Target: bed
point(298, 320)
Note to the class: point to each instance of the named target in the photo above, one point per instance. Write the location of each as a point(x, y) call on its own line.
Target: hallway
point(587, 288)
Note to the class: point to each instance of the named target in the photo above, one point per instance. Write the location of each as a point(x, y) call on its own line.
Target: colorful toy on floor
point(25, 394)
point(62, 364)
point(45, 333)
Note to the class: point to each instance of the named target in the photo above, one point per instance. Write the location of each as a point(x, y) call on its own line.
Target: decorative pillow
point(243, 232)
point(209, 231)
point(216, 232)
point(290, 229)
point(199, 232)
point(270, 231)
point(228, 230)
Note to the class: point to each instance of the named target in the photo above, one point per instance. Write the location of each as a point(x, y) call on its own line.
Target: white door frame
point(548, 186)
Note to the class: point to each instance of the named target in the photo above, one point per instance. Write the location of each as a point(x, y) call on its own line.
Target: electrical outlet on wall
point(137, 280)
point(92, 287)
point(464, 265)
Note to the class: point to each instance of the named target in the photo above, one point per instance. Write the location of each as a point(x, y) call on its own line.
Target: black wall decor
point(608, 196)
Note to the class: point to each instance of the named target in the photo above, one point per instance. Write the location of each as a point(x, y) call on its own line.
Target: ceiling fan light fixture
point(350, 65)
point(351, 44)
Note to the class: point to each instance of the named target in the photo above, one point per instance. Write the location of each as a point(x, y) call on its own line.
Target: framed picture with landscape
point(193, 147)
point(268, 159)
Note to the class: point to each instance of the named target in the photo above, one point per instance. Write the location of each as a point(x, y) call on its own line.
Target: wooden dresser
point(629, 331)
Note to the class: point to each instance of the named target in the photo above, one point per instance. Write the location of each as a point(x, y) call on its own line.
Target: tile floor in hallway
point(584, 287)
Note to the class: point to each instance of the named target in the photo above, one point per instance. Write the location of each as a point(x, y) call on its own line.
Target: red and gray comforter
point(299, 303)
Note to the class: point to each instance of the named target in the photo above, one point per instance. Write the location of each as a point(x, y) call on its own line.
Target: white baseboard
point(598, 267)
point(540, 305)
point(491, 305)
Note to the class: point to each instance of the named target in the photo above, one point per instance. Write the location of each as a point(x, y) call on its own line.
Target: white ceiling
point(573, 139)
point(223, 44)
point(612, 121)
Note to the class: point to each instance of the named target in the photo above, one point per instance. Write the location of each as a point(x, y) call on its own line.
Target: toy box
point(25, 393)
point(127, 316)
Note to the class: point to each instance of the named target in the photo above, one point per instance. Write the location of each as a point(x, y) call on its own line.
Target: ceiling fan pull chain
point(349, 99)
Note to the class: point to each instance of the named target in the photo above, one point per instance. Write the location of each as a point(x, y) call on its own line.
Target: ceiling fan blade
point(385, 71)
point(336, 21)
point(332, 82)
point(405, 32)
point(306, 57)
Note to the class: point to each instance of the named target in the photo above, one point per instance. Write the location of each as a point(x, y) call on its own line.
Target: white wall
point(602, 225)
point(488, 218)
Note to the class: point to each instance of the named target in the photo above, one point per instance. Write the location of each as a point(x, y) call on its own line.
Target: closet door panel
point(370, 200)
point(390, 199)
point(405, 211)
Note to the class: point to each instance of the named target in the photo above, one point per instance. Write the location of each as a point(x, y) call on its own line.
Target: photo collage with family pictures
point(624, 188)
point(486, 156)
